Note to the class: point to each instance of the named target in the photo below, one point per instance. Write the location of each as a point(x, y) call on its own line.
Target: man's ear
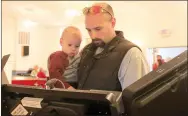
point(61, 41)
point(113, 22)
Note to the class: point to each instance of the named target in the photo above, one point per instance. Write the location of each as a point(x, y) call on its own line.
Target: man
point(159, 62)
point(110, 62)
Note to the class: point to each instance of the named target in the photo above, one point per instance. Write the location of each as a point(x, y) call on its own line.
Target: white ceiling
point(54, 12)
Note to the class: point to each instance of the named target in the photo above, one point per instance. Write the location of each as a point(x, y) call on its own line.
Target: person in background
point(34, 71)
point(41, 73)
point(29, 71)
point(159, 62)
point(58, 61)
point(110, 62)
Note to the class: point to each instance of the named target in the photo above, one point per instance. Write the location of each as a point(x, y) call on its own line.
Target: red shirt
point(155, 66)
point(57, 64)
point(41, 75)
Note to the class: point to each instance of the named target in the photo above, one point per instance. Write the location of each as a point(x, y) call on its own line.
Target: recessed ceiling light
point(72, 13)
point(29, 23)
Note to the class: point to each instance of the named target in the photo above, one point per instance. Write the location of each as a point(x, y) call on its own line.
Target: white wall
point(43, 41)
point(8, 43)
point(143, 21)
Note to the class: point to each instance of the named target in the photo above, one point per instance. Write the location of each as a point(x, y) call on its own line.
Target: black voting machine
point(163, 92)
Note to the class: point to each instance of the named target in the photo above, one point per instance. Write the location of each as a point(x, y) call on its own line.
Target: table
point(31, 81)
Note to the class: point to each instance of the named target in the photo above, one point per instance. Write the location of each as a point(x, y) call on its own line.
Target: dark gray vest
point(101, 71)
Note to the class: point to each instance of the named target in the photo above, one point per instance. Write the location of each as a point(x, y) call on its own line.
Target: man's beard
point(98, 42)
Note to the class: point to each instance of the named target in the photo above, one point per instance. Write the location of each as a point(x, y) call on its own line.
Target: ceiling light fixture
point(72, 13)
point(29, 23)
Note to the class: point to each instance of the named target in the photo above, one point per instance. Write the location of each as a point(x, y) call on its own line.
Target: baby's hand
point(71, 88)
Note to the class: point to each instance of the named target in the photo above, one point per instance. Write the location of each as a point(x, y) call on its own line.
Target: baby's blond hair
point(71, 30)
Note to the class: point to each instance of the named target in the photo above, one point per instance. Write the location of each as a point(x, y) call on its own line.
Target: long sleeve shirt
point(57, 63)
point(70, 73)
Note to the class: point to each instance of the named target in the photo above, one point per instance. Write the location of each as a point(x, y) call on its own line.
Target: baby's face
point(71, 45)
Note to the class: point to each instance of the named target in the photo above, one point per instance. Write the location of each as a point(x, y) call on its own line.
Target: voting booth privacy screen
point(163, 92)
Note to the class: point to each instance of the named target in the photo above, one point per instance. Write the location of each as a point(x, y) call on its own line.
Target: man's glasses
point(95, 10)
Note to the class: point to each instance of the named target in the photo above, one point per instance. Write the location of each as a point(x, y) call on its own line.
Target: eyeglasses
point(95, 10)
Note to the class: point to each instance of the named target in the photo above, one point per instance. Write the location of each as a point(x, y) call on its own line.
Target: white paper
point(32, 102)
point(19, 111)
